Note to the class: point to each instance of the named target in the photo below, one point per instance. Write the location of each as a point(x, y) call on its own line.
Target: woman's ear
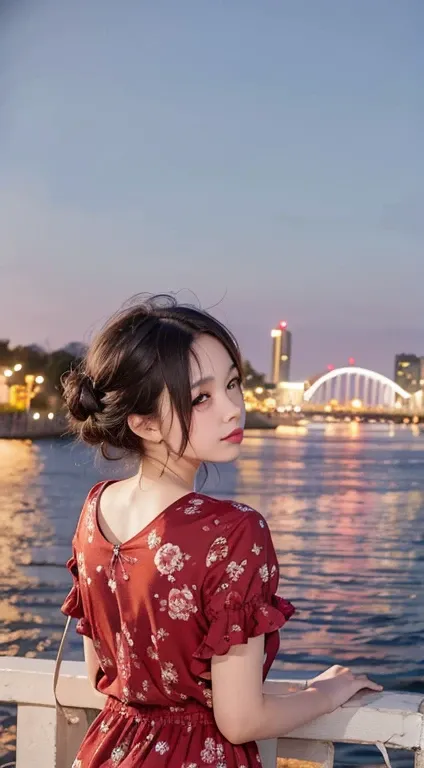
point(145, 427)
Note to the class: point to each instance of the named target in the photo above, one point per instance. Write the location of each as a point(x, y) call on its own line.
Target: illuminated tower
point(281, 353)
point(408, 372)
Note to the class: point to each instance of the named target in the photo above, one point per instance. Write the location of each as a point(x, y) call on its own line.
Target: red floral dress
point(198, 579)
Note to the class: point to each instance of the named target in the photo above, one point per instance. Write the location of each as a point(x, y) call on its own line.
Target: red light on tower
point(351, 361)
point(330, 367)
point(283, 325)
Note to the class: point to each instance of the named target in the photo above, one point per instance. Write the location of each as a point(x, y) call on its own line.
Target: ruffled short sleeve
point(73, 604)
point(239, 593)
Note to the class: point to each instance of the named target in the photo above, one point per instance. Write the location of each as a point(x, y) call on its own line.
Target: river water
point(345, 504)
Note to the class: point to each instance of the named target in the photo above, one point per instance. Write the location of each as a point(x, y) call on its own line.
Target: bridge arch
point(354, 371)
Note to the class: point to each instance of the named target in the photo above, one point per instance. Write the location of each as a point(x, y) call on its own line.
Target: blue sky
point(267, 156)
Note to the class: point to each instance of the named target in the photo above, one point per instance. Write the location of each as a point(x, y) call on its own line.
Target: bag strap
point(71, 719)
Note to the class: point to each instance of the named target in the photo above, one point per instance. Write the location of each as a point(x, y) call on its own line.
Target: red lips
point(236, 436)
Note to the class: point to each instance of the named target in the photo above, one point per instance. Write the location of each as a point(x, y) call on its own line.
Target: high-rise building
point(408, 370)
point(281, 353)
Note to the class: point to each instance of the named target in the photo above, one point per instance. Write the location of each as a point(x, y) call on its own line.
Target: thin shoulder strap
point(59, 657)
point(71, 719)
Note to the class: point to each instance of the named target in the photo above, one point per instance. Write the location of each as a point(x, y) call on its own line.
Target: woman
point(174, 591)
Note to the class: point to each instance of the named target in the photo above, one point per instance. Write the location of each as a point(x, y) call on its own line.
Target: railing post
point(268, 752)
point(419, 754)
point(69, 736)
point(320, 753)
point(35, 736)
point(45, 739)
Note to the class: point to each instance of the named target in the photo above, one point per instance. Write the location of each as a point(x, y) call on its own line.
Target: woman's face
point(217, 406)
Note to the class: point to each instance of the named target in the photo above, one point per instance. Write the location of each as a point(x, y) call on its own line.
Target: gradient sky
point(267, 156)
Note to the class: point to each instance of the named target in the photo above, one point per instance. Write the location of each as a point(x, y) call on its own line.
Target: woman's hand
point(338, 684)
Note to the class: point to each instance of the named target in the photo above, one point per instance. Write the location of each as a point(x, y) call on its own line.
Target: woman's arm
point(91, 660)
point(244, 713)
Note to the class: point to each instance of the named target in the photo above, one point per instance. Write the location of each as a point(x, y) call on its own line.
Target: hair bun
point(82, 396)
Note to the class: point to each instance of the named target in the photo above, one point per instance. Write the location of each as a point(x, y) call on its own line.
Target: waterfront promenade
point(20, 425)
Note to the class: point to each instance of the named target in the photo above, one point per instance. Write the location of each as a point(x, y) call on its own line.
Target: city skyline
point(265, 157)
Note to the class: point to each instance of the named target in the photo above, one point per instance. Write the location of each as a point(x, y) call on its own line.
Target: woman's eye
point(236, 382)
point(200, 399)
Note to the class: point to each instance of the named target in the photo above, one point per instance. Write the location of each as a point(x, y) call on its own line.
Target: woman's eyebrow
point(208, 379)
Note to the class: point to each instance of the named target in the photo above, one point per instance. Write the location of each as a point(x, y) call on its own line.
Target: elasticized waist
point(190, 712)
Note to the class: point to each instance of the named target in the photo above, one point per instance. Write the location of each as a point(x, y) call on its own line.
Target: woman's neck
point(158, 467)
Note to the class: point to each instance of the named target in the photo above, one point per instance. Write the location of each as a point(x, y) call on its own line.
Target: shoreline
point(23, 426)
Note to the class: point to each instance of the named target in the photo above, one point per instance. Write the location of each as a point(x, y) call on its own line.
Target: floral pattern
point(105, 661)
point(181, 603)
point(142, 695)
point(153, 540)
point(119, 753)
point(194, 508)
point(90, 518)
point(169, 559)
point(235, 571)
point(82, 569)
point(213, 751)
point(264, 572)
point(162, 747)
point(158, 609)
point(218, 551)
point(241, 507)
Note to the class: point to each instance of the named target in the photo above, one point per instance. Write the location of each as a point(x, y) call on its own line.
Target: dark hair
point(141, 350)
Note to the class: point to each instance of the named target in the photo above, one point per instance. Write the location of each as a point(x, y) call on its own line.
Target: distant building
point(281, 353)
point(408, 372)
point(290, 394)
point(18, 396)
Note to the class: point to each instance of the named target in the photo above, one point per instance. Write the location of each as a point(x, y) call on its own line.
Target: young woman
point(175, 591)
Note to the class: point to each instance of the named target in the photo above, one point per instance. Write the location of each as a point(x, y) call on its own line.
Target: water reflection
point(345, 506)
point(23, 527)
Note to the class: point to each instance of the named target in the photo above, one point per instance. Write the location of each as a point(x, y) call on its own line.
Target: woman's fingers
point(363, 681)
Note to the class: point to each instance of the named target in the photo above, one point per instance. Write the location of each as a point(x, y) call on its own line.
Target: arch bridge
point(357, 385)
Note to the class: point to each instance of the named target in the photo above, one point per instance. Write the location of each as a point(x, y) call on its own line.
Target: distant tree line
point(52, 365)
point(252, 378)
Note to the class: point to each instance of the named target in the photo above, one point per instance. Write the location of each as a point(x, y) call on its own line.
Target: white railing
point(390, 720)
